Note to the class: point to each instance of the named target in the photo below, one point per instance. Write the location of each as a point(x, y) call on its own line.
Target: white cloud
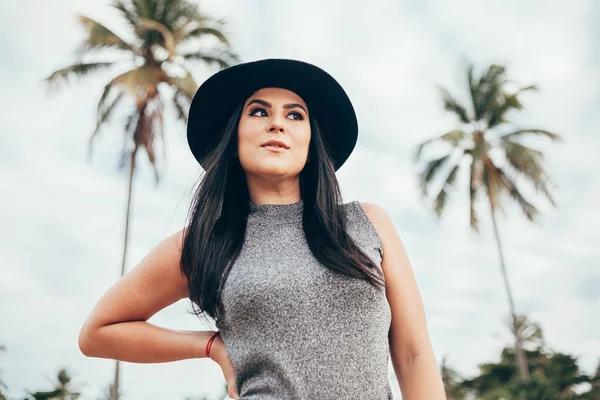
point(62, 218)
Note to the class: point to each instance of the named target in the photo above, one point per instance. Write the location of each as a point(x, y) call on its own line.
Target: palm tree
point(452, 381)
point(496, 158)
point(530, 333)
point(62, 391)
point(161, 31)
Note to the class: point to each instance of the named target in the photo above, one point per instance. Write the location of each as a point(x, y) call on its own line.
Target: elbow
point(407, 358)
point(85, 341)
point(409, 353)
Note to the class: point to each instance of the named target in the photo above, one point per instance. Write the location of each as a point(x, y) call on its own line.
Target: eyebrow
point(269, 105)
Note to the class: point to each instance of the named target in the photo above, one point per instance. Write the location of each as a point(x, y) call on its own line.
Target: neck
point(274, 213)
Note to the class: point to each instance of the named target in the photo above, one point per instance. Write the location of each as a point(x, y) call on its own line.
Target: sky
point(62, 216)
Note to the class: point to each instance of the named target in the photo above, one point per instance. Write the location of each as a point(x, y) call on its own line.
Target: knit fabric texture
point(296, 330)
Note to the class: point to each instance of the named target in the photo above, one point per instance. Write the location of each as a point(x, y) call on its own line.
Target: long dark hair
point(216, 221)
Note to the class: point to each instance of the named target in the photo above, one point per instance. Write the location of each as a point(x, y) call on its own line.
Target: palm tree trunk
point(114, 388)
point(114, 392)
point(520, 358)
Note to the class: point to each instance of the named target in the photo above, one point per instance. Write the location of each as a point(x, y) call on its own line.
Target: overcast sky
point(62, 218)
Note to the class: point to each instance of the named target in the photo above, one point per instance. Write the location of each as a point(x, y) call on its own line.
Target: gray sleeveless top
point(296, 330)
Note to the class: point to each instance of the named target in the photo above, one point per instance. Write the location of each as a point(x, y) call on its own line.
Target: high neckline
point(291, 212)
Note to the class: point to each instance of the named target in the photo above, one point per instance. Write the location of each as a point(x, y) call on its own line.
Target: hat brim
point(216, 99)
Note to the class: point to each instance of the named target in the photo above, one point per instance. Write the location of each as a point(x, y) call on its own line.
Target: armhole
point(369, 225)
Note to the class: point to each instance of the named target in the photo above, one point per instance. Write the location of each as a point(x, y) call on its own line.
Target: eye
point(255, 112)
point(296, 116)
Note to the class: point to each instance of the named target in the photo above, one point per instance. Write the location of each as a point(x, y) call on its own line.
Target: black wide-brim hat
point(217, 98)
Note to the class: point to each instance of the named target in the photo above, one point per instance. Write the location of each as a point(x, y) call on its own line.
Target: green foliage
point(63, 390)
point(553, 377)
point(538, 388)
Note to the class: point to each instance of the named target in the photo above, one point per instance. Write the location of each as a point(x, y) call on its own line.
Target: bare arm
point(410, 347)
point(117, 328)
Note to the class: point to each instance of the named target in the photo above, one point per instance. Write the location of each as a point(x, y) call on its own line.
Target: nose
point(276, 125)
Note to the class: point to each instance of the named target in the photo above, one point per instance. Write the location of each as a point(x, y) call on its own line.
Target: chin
point(274, 170)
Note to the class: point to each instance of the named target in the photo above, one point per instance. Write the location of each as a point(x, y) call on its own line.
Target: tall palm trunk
point(520, 358)
point(114, 391)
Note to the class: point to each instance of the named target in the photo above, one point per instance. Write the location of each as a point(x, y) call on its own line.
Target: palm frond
point(528, 209)
point(532, 87)
point(105, 114)
point(105, 93)
point(442, 196)
point(186, 85)
point(487, 90)
point(472, 84)
point(541, 132)
point(430, 170)
point(223, 59)
point(76, 71)
point(453, 105)
point(129, 124)
point(492, 99)
point(100, 37)
point(145, 25)
point(126, 156)
point(528, 163)
point(141, 8)
point(495, 115)
point(174, 13)
point(142, 81)
point(510, 101)
point(180, 108)
point(185, 88)
point(454, 138)
point(202, 31)
point(127, 13)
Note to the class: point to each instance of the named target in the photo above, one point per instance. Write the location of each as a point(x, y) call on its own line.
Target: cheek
point(304, 138)
point(244, 128)
point(247, 134)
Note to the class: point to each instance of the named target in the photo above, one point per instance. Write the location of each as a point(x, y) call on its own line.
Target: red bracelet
point(208, 345)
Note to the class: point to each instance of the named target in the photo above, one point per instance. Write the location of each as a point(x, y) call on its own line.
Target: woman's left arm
point(411, 352)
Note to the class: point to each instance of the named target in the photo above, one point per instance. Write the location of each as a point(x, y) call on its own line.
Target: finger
point(232, 392)
point(233, 389)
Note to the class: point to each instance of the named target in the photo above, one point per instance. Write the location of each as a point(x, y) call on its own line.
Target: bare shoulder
point(374, 211)
point(380, 219)
point(395, 264)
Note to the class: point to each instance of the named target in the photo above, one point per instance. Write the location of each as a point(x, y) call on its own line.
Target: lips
point(275, 143)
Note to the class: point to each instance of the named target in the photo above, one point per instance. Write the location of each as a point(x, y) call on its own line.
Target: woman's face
point(274, 114)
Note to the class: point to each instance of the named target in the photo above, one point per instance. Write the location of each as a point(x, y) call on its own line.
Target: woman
point(310, 295)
